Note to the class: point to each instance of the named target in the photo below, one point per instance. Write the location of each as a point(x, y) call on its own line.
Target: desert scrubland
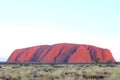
point(59, 71)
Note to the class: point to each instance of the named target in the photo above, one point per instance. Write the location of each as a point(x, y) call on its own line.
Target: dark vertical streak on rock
point(36, 55)
point(18, 56)
point(70, 52)
point(49, 48)
point(103, 54)
point(64, 57)
point(27, 53)
point(92, 53)
point(55, 59)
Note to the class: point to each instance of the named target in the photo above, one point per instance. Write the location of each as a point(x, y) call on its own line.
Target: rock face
point(61, 53)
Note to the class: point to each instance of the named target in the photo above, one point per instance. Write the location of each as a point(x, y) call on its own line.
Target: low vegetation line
point(57, 63)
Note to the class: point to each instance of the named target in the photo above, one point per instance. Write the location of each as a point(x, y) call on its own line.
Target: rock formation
point(61, 53)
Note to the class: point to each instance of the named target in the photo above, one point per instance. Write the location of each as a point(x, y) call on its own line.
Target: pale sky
point(26, 23)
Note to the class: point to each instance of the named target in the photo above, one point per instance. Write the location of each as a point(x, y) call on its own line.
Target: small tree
point(97, 60)
point(109, 61)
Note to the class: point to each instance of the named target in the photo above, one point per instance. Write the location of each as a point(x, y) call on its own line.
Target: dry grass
point(60, 72)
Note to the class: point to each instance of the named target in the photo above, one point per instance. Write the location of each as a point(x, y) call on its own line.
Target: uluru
point(61, 53)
